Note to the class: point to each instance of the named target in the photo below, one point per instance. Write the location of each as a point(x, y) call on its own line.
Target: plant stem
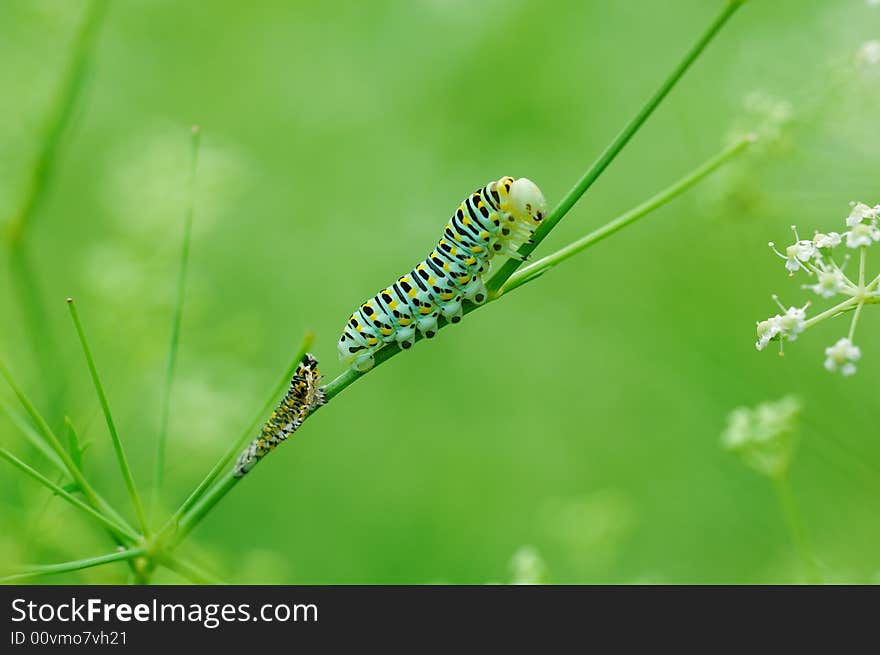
point(108, 523)
point(95, 500)
point(43, 342)
point(531, 272)
point(197, 511)
point(111, 426)
point(177, 317)
point(863, 256)
point(245, 436)
point(32, 436)
point(796, 528)
point(192, 518)
point(599, 166)
point(350, 376)
point(75, 565)
point(855, 321)
point(832, 311)
point(539, 267)
point(61, 114)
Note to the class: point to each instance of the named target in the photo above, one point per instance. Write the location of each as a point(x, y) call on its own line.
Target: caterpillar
point(302, 397)
point(494, 220)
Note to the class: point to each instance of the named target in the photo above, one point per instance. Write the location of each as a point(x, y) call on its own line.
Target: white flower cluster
point(817, 259)
point(764, 436)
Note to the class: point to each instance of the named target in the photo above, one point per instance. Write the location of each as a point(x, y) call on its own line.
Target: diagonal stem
point(531, 272)
point(189, 517)
point(118, 530)
point(69, 465)
point(171, 363)
point(76, 565)
point(61, 114)
point(244, 437)
point(528, 274)
point(619, 142)
point(541, 266)
point(111, 426)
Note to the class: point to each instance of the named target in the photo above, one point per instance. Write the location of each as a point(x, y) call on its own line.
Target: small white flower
point(767, 330)
point(842, 357)
point(829, 283)
point(860, 211)
point(862, 234)
point(829, 240)
point(795, 254)
point(793, 322)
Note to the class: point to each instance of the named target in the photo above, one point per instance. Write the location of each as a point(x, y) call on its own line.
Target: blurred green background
point(580, 416)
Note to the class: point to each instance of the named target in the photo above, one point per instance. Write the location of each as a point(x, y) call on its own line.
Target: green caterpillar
point(494, 220)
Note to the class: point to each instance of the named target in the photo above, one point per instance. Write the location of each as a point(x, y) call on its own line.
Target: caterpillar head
point(527, 202)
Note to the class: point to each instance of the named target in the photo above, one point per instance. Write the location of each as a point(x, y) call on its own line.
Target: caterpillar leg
point(452, 311)
point(476, 291)
point(364, 362)
point(427, 325)
point(405, 337)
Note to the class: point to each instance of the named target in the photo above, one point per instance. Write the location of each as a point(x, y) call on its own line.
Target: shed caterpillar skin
point(494, 220)
point(302, 398)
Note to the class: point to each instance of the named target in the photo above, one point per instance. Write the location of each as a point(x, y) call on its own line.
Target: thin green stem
point(855, 321)
point(32, 436)
point(42, 340)
point(171, 363)
point(108, 523)
point(863, 256)
point(348, 377)
point(539, 267)
point(247, 434)
point(188, 519)
point(796, 529)
point(61, 113)
point(593, 173)
point(832, 311)
point(95, 500)
point(77, 565)
point(192, 518)
point(111, 426)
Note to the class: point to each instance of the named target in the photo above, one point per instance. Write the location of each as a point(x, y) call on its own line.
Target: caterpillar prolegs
point(302, 397)
point(494, 220)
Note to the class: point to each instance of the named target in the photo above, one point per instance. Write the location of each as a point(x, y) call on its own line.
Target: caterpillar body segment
point(496, 219)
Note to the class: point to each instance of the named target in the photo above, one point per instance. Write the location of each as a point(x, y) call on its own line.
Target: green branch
point(599, 166)
point(70, 466)
point(541, 266)
point(111, 426)
point(118, 530)
point(61, 114)
point(171, 363)
point(192, 518)
point(350, 376)
point(246, 435)
point(76, 565)
point(32, 436)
